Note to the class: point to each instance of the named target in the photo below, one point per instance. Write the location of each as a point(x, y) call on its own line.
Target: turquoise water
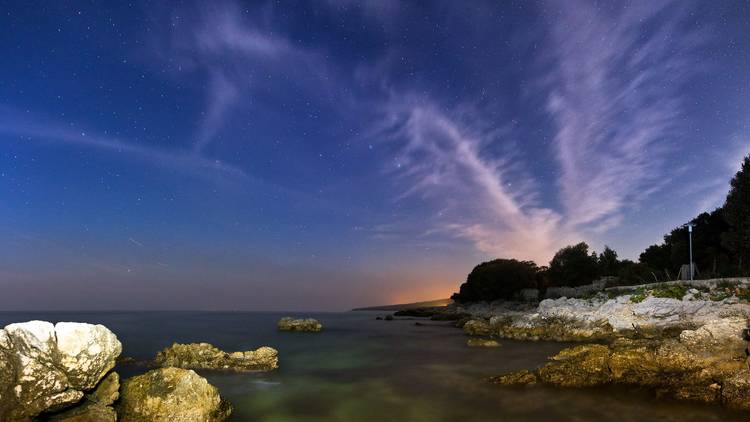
point(361, 369)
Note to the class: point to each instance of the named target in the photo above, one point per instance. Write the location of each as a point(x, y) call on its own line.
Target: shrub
point(497, 279)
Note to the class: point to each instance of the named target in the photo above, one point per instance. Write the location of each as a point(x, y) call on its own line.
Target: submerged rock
point(170, 395)
point(482, 342)
point(305, 324)
point(206, 356)
point(523, 377)
point(46, 367)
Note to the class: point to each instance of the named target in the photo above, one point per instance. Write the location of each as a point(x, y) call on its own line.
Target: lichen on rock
point(170, 395)
point(206, 356)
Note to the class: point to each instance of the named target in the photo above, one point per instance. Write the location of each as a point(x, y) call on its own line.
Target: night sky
point(321, 155)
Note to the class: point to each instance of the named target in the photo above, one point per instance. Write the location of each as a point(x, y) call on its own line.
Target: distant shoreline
point(400, 307)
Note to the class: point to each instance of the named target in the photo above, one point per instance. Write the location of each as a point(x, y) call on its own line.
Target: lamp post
point(690, 241)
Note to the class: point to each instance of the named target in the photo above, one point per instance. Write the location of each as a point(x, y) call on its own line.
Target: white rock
point(49, 367)
point(87, 352)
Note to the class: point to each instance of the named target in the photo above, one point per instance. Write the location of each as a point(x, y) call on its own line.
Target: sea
point(363, 369)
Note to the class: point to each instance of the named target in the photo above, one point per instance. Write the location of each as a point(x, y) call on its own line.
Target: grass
point(639, 295)
point(722, 291)
point(673, 292)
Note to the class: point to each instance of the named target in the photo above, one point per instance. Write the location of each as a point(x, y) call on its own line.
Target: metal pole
point(690, 240)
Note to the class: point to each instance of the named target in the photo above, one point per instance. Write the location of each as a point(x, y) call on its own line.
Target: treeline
point(721, 248)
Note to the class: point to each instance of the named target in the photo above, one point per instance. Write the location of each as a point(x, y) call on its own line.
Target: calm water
point(360, 369)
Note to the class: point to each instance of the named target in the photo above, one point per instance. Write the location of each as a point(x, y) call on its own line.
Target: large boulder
point(46, 367)
point(303, 324)
point(170, 395)
point(206, 356)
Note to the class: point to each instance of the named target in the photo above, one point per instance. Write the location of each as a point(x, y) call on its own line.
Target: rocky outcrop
point(482, 342)
point(603, 318)
point(206, 356)
point(46, 367)
point(707, 364)
point(687, 341)
point(305, 324)
point(170, 395)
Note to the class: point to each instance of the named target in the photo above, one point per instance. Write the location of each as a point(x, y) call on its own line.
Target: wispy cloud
point(614, 93)
point(225, 45)
point(36, 128)
point(236, 51)
point(613, 88)
point(489, 201)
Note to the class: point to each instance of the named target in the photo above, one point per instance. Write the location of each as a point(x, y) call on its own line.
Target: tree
point(709, 253)
point(573, 266)
point(497, 279)
point(657, 257)
point(631, 273)
point(737, 215)
point(608, 263)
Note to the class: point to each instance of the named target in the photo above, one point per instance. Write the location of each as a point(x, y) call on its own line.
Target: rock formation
point(668, 366)
point(206, 356)
point(306, 324)
point(46, 367)
point(170, 395)
point(602, 318)
point(687, 348)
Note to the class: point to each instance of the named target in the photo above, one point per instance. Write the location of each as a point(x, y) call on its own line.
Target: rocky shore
point(65, 372)
point(687, 340)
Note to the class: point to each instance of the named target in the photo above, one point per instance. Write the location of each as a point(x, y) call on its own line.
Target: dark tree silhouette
point(497, 279)
point(608, 263)
point(573, 266)
point(737, 215)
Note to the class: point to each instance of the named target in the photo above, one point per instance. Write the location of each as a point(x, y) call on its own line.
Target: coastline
point(686, 340)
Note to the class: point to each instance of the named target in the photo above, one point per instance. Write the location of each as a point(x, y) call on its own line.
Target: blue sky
point(324, 155)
